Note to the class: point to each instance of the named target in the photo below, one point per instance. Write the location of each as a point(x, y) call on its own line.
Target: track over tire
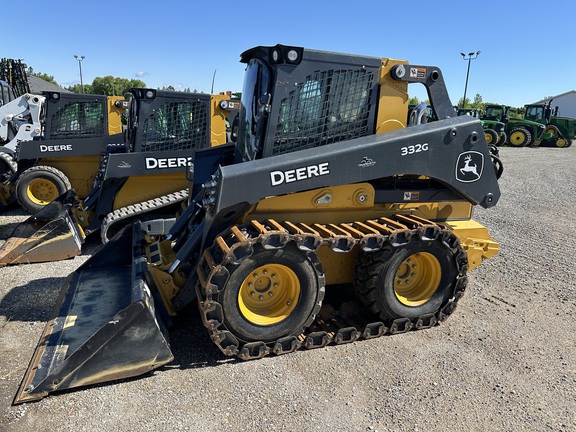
point(558, 140)
point(552, 130)
point(271, 294)
point(412, 279)
point(491, 136)
point(519, 137)
point(39, 185)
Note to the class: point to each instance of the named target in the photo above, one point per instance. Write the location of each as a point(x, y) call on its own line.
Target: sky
point(527, 48)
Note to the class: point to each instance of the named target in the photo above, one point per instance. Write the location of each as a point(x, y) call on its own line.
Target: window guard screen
point(176, 126)
point(78, 120)
point(330, 106)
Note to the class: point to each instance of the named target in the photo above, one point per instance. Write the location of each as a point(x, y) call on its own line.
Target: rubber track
point(144, 207)
point(351, 321)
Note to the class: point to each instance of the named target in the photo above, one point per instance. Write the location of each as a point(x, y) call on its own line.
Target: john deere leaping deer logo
point(469, 166)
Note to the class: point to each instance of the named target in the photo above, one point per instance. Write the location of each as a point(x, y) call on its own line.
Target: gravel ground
point(504, 361)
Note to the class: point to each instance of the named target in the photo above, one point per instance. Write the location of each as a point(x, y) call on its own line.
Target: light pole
point(80, 66)
point(471, 56)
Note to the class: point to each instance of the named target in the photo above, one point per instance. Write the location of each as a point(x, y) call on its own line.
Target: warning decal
point(417, 72)
point(411, 196)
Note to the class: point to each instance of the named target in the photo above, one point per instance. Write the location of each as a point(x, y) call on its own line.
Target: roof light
point(292, 55)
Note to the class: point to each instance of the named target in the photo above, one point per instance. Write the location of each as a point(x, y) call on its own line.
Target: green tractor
point(519, 132)
point(495, 131)
point(559, 131)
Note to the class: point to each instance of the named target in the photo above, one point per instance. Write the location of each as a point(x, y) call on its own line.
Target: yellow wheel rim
point(488, 138)
point(41, 191)
point(561, 143)
point(269, 294)
point(417, 279)
point(517, 138)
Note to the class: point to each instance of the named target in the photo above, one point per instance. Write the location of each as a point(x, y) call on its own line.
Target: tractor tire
point(270, 294)
point(39, 185)
point(558, 140)
point(412, 279)
point(502, 139)
point(551, 129)
point(519, 137)
point(491, 136)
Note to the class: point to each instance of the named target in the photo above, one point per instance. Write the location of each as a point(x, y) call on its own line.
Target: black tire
point(440, 268)
point(519, 137)
point(7, 166)
point(39, 185)
point(277, 316)
point(502, 139)
point(491, 136)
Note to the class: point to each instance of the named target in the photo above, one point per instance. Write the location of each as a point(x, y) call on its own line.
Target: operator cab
point(286, 108)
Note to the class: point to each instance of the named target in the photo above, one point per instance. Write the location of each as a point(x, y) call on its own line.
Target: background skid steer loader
point(142, 177)
point(61, 137)
point(324, 187)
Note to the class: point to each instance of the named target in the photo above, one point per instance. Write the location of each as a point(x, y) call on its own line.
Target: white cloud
point(141, 74)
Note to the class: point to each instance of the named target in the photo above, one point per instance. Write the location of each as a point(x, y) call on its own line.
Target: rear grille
point(330, 106)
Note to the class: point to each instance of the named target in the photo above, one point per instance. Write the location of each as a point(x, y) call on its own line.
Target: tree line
point(108, 85)
point(114, 86)
point(477, 103)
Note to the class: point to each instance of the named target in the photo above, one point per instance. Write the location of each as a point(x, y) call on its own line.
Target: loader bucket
point(52, 234)
point(104, 326)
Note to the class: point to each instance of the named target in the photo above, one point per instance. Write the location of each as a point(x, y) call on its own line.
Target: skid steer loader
point(141, 177)
point(56, 141)
point(324, 187)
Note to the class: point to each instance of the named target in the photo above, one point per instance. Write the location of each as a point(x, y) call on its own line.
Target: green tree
point(413, 101)
point(114, 86)
point(77, 88)
point(465, 105)
point(478, 102)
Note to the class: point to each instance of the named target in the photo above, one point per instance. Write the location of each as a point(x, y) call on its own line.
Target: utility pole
point(212, 88)
point(80, 66)
point(471, 56)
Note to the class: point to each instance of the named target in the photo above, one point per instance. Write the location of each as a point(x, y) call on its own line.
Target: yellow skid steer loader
point(143, 177)
point(324, 187)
